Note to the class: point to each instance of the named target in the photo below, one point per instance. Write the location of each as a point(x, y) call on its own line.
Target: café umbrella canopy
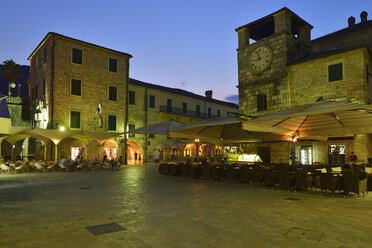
point(318, 119)
point(221, 130)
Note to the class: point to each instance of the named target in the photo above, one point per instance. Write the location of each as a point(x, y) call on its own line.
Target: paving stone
point(50, 210)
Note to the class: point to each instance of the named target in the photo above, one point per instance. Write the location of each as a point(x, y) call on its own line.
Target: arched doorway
point(78, 149)
point(206, 150)
point(110, 149)
point(135, 152)
point(189, 150)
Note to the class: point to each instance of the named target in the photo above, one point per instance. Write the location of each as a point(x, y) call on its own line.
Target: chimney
point(351, 21)
point(208, 94)
point(363, 16)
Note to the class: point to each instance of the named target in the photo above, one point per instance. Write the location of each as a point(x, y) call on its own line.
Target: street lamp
point(293, 141)
point(11, 85)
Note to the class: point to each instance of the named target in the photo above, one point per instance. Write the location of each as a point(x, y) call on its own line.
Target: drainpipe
point(146, 108)
point(52, 96)
point(126, 116)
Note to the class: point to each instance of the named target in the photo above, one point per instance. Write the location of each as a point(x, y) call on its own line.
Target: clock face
point(260, 58)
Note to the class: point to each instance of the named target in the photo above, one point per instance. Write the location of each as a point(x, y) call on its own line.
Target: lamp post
point(197, 148)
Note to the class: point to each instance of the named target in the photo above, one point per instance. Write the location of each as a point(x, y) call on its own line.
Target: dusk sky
point(182, 44)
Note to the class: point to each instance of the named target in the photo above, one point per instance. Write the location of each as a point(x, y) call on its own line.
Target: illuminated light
point(294, 139)
point(197, 140)
point(61, 128)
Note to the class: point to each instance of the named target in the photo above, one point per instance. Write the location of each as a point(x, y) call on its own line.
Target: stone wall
point(309, 80)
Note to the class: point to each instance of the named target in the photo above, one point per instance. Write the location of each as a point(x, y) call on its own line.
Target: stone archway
point(135, 152)
point(110, 149)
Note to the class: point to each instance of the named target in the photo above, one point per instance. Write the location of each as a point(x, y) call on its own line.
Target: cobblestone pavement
point(54, 209)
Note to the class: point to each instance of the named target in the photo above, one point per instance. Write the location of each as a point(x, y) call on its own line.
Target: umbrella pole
point(293, 153)
point(56, 153)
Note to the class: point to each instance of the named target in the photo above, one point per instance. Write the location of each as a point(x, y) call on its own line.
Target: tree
point(10, 70)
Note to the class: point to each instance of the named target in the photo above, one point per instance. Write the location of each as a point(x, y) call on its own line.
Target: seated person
point(226, 162)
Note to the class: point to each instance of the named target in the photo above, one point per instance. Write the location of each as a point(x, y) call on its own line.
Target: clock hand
point(259, 57)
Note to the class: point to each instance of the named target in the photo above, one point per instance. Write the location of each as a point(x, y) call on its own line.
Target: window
point(132, 97)
point(184, 107)
point(209, 113)
point(218, 113)
point(75, 87)
point(152, 101)
point(44, 87)
point(77, 56)
point(197, 110)
point(111, 123)
point(335, 72)
point(113, 93)
point(45, 55)
point(113, 65)
point(131, 127)
point(169, 105)
point(75, 119)
point(261, 102)
point(152, 136)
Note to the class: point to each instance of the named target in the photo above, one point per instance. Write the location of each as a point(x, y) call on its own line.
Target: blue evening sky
point(183, 44)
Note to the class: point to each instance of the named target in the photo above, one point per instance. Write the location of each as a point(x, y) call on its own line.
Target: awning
point(158, 128)
point(323, 118)
point(221, 130)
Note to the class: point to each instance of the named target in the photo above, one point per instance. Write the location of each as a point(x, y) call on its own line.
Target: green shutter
point(112, 123)
point(131, 127)
point(132, 97)
point(335, 72)
point(75, 119)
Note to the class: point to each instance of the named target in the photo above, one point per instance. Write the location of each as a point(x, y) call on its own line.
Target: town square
point(186, 125)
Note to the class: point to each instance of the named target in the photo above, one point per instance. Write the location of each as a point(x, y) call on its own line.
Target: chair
point(39, 167)
point(5, 168)
point(354, 183)
point(63, 167)
point(52, 167)
point(166, 169)
point(185, 170)
point(195, 172)
point(175, 170)
point(217, 172)
point(22, 167)
point(268, 178)
point(330, 181)
point(257, 176)
point(206, 172)
point(161, 168)
point(303, 180)
point(244, 174)
point(284, 178)
point(231, 173)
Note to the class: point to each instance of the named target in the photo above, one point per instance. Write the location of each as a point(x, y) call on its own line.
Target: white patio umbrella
point(158, 128)
point(323, 118)
point(221, 130)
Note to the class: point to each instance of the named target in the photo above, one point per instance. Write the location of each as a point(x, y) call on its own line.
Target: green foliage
point(10, 70)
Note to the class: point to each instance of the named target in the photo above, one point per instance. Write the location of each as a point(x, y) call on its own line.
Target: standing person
point(156, 156)
point(135, 156)
point(139, 158)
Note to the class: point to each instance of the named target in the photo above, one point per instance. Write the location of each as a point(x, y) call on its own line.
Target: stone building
point(150, 103)
point(280, 67)
point(69, 80)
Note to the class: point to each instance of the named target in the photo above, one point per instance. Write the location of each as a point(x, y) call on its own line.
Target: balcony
point(179, 111)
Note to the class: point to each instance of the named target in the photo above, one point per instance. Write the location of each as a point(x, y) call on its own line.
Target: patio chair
point(63, 167)
point(244, 174)
point(206, 172)
point(330, 181)
point(231, 173)
point(195, 172)
point(175, 170)
point(284, 178)
point(354, 183)
point(257, 176)
point(22, 167)
point(161, 168)
point(51, 167)
point(217, 172)
point(39, 167)
point(269, 178)
point(5, 168)
point(166, 169)
point(185, 170)
point(303, 180)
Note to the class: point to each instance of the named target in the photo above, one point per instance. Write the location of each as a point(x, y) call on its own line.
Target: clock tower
point(266, 47)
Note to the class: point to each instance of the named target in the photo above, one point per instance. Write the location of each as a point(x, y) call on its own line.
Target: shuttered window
point(113, 93)
point(111, 123)
point(77, 56)
point(76, 87)
point(334, 72)
point(75, 119)
point(152, 101)
point(131, 127)
point(113, 65)
point(132, 97)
